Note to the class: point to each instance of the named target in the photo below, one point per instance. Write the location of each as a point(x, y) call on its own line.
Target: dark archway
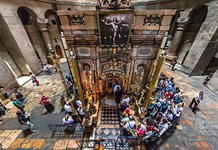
point(196, 17)
point(28, 19)
point(27, 16)
point(58, 51)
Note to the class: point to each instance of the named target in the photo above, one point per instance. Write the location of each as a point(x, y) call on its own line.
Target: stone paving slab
point(7, 137)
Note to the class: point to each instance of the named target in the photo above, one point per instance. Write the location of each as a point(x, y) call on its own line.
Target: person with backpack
point(18, 104)
point(48, 106)
point(24, 119)
point(19, 96)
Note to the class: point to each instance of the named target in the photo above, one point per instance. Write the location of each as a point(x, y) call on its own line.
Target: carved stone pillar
point(43, 27)
point(181, 25)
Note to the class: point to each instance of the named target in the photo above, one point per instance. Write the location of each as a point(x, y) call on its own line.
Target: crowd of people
point(162, 113)
point(165, 109)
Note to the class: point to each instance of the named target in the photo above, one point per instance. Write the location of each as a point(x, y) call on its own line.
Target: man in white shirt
point(78, 103)
point(163, 126)
point(81, 112)
point(196, 100)
point(130, 125)
point(68, 120)
point(68, 108)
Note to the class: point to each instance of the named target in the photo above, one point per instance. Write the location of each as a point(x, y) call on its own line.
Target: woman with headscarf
point(48, 106)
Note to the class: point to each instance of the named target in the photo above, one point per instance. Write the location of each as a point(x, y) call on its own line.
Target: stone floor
point(198, 131)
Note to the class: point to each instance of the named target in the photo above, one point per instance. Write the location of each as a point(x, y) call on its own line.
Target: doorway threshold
point(23, 80)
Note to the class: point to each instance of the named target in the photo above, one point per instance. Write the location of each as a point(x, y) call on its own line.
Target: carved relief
point(182, 23)
point(114, 4)
point(43, 23)
point(152, 20)
point(83, 51)
point(144, 51)
point(77, 20)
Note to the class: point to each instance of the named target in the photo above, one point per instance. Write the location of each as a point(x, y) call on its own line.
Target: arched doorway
point(28, 19)
point(196, 17)
point(58, 51)
point(87, 76)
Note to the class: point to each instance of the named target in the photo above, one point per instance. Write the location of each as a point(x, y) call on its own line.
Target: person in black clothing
point(118, 95)
point(174, 62)
point(24, 119)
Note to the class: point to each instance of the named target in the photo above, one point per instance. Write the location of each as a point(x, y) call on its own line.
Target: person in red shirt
point(48, 106)
point(169, 94)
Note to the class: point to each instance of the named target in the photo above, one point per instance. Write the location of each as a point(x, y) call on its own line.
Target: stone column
point(181, 25)
point(52, 57)
point(43, 27)
point(78, 78)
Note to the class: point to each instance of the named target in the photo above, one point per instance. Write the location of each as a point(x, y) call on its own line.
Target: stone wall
point(37, 42)
point(195, 62)
point(8, 10)
point(7, 78)
point(213, 83)
point(5, 55)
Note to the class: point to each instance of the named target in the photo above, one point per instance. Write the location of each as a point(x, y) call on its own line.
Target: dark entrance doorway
point(58, 51)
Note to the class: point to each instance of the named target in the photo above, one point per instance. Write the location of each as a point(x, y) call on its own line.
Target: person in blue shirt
point(18, 104)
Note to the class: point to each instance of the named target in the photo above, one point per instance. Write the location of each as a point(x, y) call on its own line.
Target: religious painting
point(114, 27)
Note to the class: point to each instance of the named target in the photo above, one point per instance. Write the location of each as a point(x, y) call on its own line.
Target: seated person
point(68, 120)
point(177, 98)
point(78, 103)
point(169, 115)
point(154, 113)
point(125, 118)
point(141, 129)
point(68, 108)
point(178, 108)
point(81, 111)
point(163, 126)
point(169, 94)
point(129, 127)
point(162, 99)
point(164, 106)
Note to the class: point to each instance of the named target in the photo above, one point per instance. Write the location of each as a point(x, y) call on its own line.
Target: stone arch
point(140, 68)
point(58, 51)
point(27, 16)
point(49, 14)
point(196, 17)
point(29, 20)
